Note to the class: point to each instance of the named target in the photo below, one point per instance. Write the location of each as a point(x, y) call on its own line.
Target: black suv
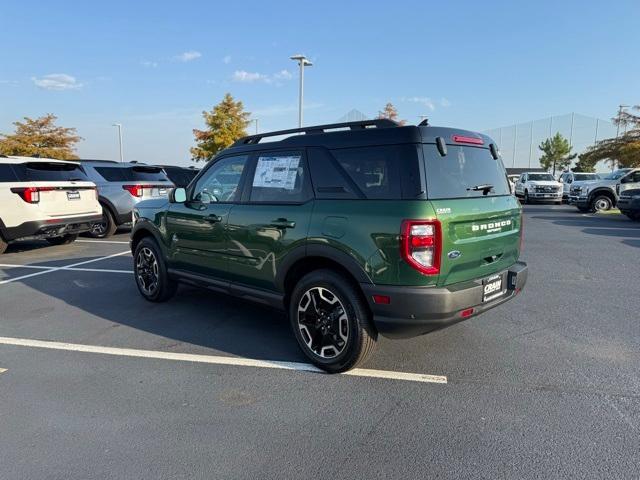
point(355, 229)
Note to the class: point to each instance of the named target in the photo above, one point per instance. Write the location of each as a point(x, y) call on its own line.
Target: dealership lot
point(544, 386)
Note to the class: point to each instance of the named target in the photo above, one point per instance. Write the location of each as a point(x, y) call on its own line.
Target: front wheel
point(150, 272)
point(601, 203)
point(331, 321)
point(64, 240)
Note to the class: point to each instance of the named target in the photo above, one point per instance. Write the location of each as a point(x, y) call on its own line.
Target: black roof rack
point(362, 124)
point(97, 160)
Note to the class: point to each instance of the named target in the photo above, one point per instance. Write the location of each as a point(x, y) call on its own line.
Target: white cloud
point(425, 101)
point(248, 77)
point(188, 56)
point(445, 102)
point(149, 64)
point(57, 81)
point(283, 75)
point(251, 77)
point(226, 59)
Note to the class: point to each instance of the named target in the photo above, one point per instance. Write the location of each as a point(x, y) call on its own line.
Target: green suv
point(354, 229)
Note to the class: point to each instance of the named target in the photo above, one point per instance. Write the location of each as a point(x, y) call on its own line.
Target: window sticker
point(276, 172)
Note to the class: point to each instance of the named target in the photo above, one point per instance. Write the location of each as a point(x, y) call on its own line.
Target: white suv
point(538, 186)
point(45, 199)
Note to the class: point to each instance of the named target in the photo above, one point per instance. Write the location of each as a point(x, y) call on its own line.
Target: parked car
point(567, 178)
point(180, 176)
point(602, 195)
point(355, 229)
point(629, 203)
point(47, 199)
point(120, 187)
point(541, 187)
point(512, 182)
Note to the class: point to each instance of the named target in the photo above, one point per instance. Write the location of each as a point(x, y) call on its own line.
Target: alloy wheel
point(602, 204)
point(323, 322)
point(147, 271)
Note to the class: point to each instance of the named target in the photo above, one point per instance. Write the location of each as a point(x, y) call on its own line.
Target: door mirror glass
point(178, 195)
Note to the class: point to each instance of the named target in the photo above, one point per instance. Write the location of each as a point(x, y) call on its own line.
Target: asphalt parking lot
point(545, 386)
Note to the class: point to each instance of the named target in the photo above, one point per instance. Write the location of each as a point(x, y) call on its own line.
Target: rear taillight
point(421, 244)
point(135, 190)
point(31, 194)
point(521, 231)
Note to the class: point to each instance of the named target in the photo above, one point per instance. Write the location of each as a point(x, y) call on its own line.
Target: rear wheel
point(331, 321)
point(150, 272)
point(64, 240)
point(106, 227)
point(601, 203)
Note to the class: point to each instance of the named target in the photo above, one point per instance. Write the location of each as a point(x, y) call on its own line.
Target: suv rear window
point(49, 172)
point(457, 173)
point(132, 174)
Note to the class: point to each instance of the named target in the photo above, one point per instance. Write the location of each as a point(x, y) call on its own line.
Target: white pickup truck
point(539, 187)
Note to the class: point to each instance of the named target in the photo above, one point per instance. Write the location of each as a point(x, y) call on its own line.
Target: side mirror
point(178, 195)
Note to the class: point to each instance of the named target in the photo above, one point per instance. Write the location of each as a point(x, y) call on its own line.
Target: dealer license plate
point(492, 288)
point(73, 195)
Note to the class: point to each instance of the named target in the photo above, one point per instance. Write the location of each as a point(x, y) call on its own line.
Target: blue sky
point(154, 66)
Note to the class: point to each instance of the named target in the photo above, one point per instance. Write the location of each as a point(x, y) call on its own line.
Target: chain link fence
point(519, 143)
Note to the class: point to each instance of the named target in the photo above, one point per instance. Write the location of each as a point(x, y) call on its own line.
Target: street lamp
point(620, 110)
point(302, 62)
point(119, 125)
point(255, 120)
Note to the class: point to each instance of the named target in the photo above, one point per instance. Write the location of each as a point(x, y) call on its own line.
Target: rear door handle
point(213, 218)
point(282, 223)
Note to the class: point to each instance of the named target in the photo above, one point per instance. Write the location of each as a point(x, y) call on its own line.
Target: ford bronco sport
point(355, 229)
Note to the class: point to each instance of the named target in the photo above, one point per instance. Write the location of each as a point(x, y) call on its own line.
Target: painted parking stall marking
point(218, 360)
point(45, 270)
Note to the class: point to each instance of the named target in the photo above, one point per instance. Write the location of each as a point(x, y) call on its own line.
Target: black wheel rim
point(100, 228)
point(323, 322)
point(147, 271)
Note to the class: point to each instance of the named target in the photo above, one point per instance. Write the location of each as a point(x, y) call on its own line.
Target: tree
point(556, 153)
point(226, 123)
point(391, 113)
point(582, 166)
point(623, 150)
point(40, 137)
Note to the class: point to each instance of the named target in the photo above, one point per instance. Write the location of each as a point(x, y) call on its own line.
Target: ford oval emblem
point(454, 254)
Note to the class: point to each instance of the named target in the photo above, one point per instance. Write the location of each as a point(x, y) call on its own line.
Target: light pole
point(255, 120)
point(119, 125)
point(302, 62)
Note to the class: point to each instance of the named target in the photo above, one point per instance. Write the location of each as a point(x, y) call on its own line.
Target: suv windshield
point(49, 172)
point(538, 177)
point(463, 172)
point(617, 174)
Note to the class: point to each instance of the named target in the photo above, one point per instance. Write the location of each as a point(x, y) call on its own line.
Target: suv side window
point(329, 183)
point(375, 170)
point(220, 183)
point(280, 177)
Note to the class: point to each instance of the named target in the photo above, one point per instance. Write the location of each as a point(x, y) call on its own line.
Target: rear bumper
point(415, 311)
point(55, 227)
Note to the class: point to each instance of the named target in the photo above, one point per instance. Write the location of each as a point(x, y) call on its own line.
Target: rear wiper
point(486, 188)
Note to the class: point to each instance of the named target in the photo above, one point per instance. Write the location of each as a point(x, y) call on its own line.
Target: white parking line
point(2, 370)
point(65, 267)
point(41, 267)
point(102, 241)
point(217, 360)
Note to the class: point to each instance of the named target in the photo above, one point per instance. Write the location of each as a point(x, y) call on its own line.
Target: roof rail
point(362, 124)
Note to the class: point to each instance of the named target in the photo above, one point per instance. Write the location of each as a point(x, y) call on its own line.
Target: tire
point(601, 203)
point(64, 240)
point(526, 200)
point(150, 272)
point(337, 334)
point(106, 228)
